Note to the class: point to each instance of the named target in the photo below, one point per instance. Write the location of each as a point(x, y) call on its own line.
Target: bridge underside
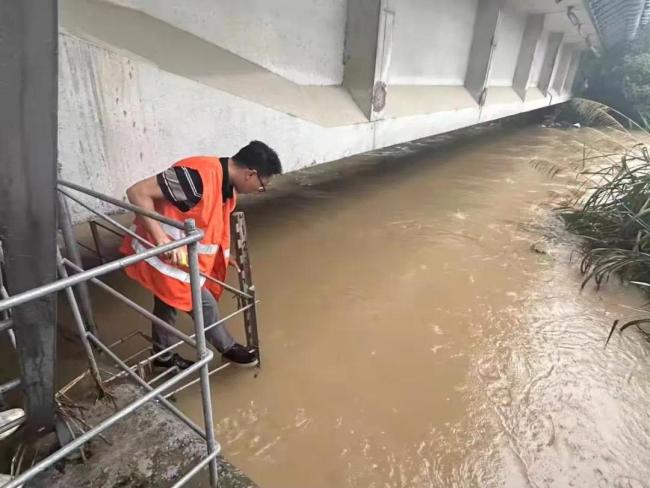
point(143, 83)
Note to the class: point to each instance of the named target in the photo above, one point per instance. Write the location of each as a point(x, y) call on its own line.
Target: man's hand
point(176, 256)
point(144, 194)
point(233, 262)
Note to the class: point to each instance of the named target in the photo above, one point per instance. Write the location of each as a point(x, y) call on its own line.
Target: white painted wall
point(300, 40)
point(431, 41)
point(538, 60)
point(509, 35)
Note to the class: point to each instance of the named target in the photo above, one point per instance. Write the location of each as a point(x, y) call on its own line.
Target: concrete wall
point(121, 119)
point(300, 40)
point(509, 35)
point(550, 62)
point(538, 60)
point(362, 29)
point(440, 32)
point(481, 52)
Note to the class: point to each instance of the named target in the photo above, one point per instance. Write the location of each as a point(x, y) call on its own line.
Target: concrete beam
point(532, 35)
point(562, 68)
point(570, 78)
point(368, 47)
point(481, 53)
point(28, 151)
point(550, 61)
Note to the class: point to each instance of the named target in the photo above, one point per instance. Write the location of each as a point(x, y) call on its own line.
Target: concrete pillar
point(28, 155)
point(550, 61)
point(532, 35)
point(567, 86)
point(368, 47)
point(481, 53)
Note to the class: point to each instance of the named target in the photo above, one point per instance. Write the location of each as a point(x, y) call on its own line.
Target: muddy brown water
point(412, 338)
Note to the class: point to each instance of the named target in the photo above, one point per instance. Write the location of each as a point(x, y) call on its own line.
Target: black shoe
point(240, 356)
point(173, 360)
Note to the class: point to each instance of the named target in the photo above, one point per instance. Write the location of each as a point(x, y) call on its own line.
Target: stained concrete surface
point(149, 448)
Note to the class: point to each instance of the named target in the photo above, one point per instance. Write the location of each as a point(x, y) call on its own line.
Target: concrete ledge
point(535, 94)
point(150, 447)
point(499, 95)
point(409, 100)
point(504, 102)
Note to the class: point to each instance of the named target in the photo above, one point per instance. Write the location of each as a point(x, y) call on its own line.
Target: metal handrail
point(82, 439)
point(144, 384)
point(204, 355)
point(130, 303)
point(144, 241)
point(124, 205)
point(9, 385)
point(38, 292)
point(6, 324)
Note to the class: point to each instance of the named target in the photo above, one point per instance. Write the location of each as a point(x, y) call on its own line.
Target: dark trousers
point(218, 336)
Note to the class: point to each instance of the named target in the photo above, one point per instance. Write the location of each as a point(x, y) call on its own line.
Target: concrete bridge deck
point(143, 83)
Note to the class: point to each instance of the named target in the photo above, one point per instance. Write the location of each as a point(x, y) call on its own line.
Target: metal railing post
point(199, 329)
point(68, 283)
point(97, 241)
point(72, 250)
point(81, 329)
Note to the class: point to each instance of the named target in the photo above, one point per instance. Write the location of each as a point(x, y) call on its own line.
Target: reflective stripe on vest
point(161, 266)
point(176, 233)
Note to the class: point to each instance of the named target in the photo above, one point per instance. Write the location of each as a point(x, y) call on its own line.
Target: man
point(203, 188)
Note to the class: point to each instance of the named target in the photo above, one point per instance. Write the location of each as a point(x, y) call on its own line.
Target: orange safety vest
point(212, 215)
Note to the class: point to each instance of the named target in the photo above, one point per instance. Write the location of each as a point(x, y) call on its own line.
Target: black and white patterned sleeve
point(181, 186)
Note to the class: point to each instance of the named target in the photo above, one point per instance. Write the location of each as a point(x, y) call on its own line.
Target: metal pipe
point(135, 355)
point(96, 240)
point(196, 380)
point(124, 205)
point(81, 330)
point(202, 351)
point(174, 346)
point(124, 339)
point(218, 322)
point(10, 425)
point(168, 371)
point(106, 227)
point(111, 220)
point(59, 285)
point(5, 313)
point(87, 248)
point(192, 472)
point(82, 439)
point(144, 241)
point(6, 324)
point(72, 250)
point(135, 306)
point(147, 386)
point(9, 385)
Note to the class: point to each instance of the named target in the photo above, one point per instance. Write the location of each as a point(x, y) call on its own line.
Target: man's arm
point(144, 194)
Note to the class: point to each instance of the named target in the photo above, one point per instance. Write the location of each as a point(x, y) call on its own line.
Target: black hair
point(260, 157)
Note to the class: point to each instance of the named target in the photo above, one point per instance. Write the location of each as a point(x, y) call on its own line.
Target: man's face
point(251, 182)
